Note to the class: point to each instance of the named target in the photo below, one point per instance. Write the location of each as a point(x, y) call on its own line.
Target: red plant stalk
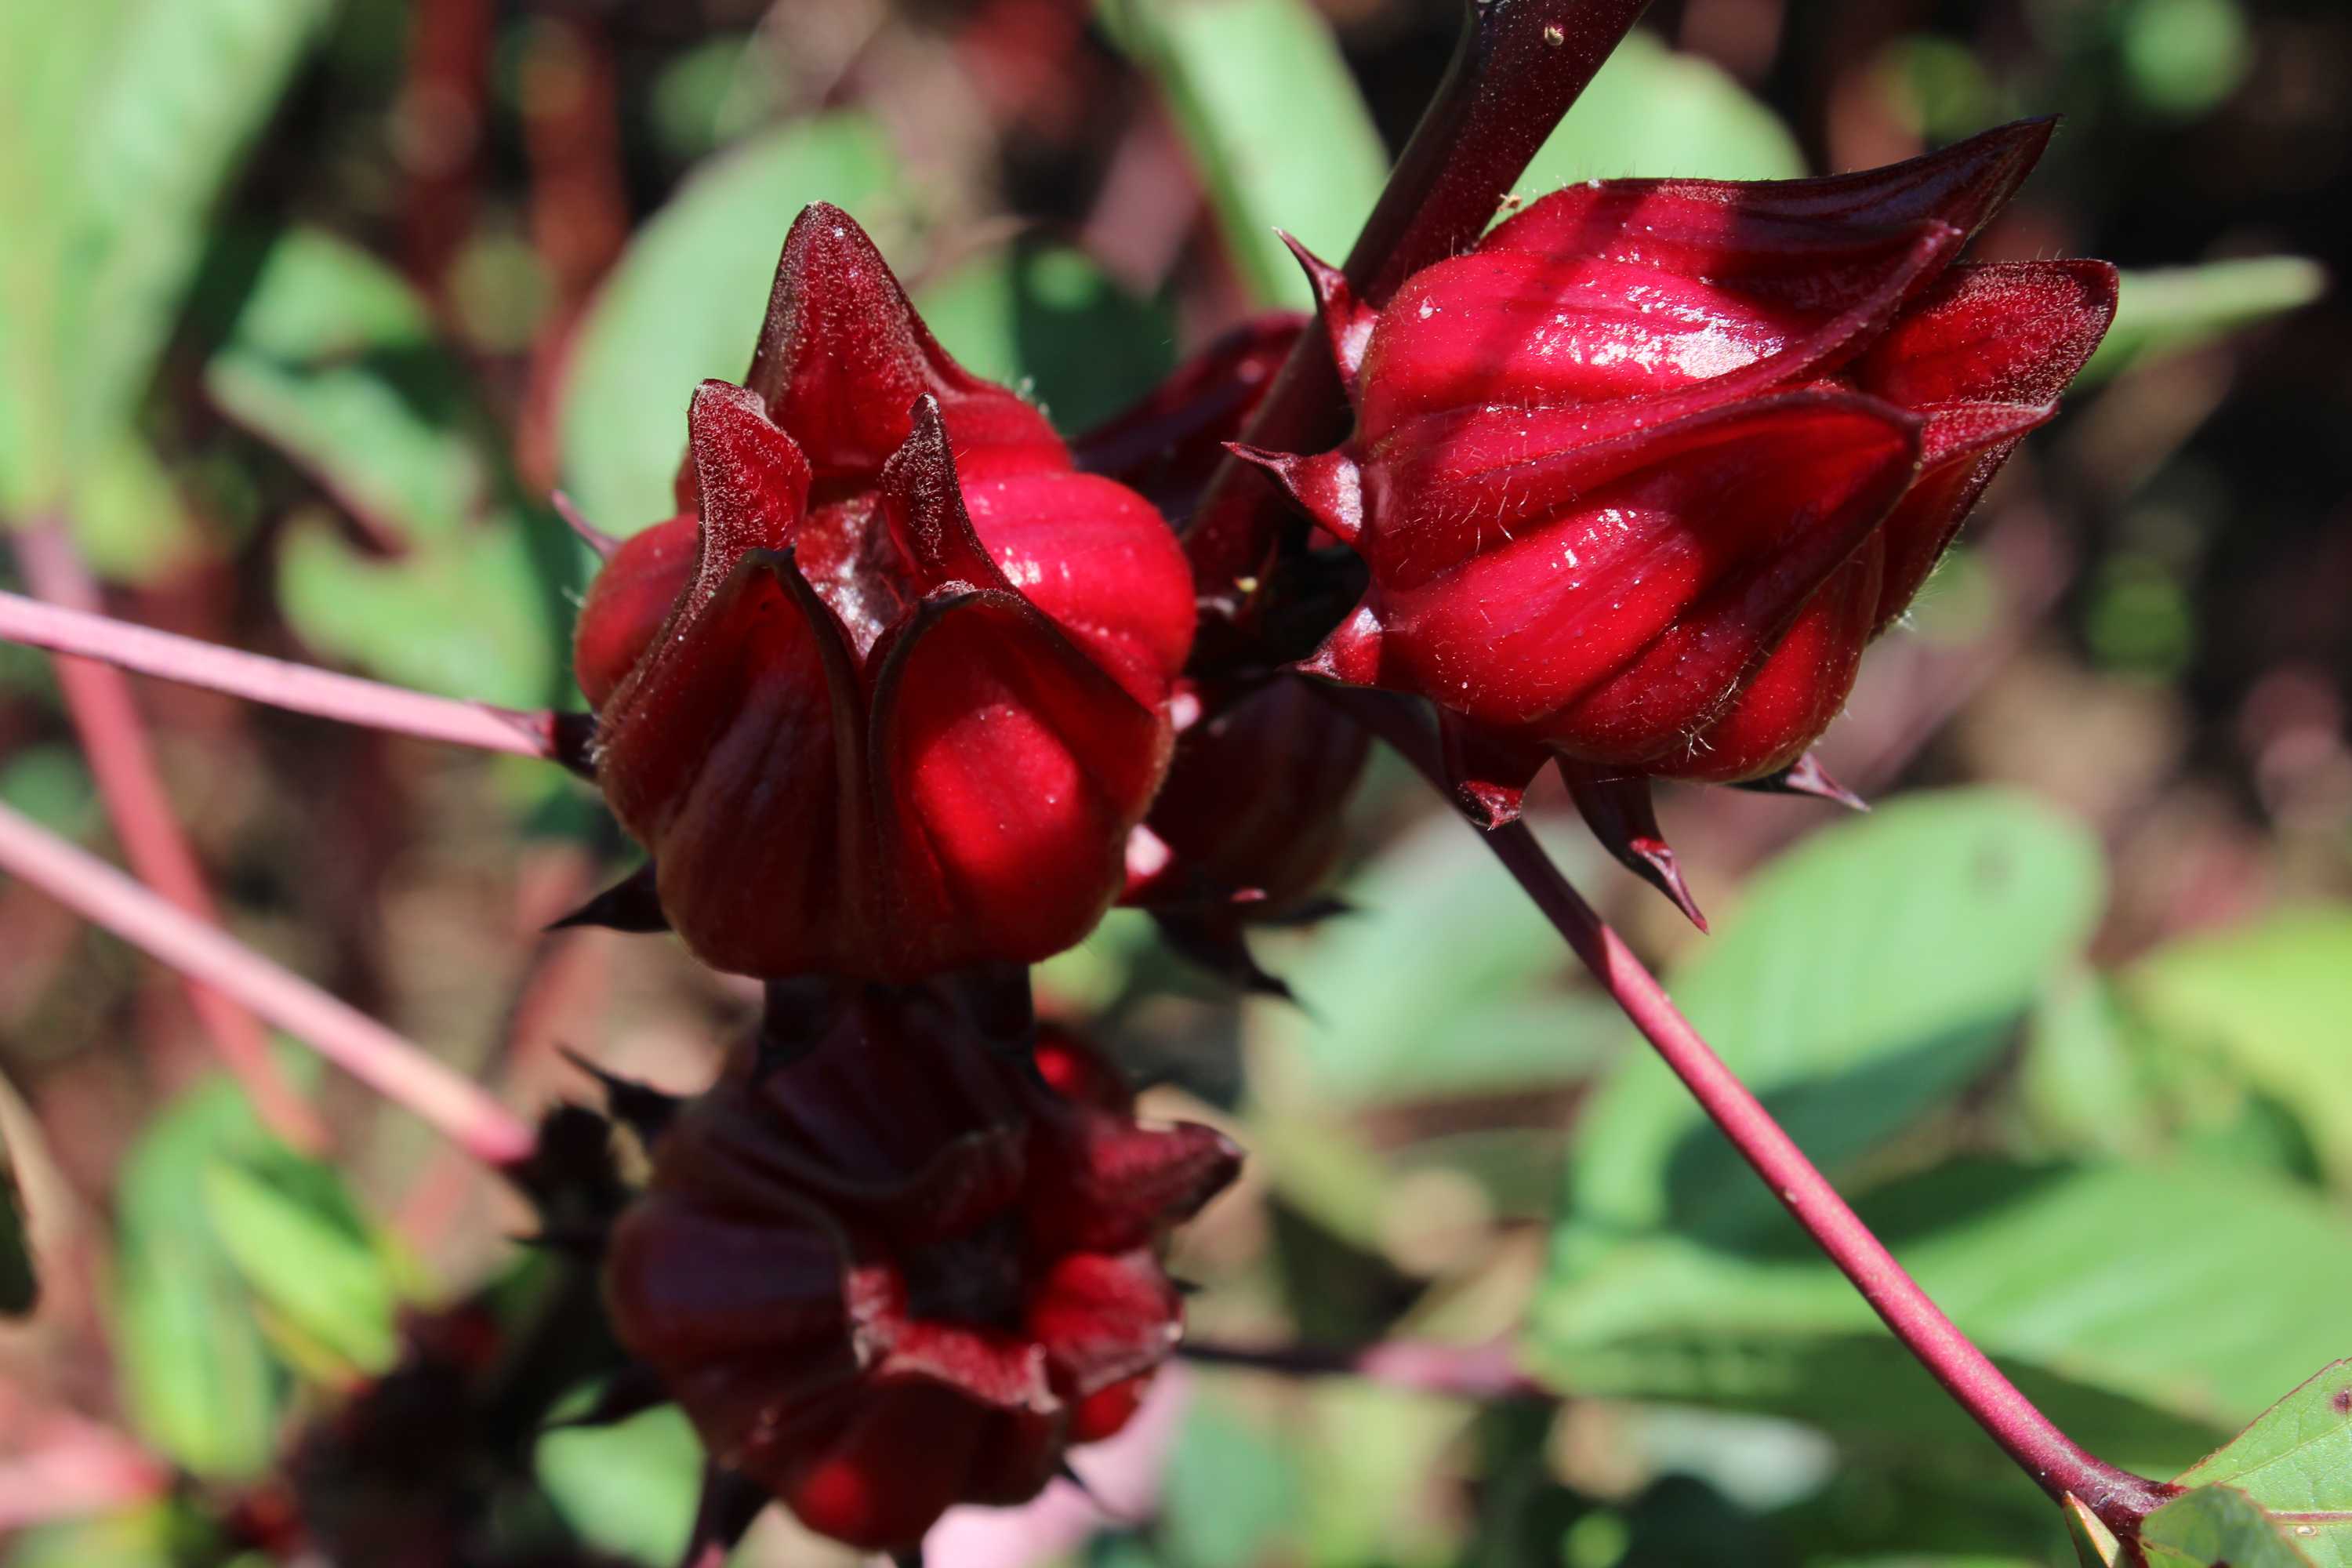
point(386, 1063)
point(2057, 1464)
point(114, 739)
point(1520, 66)
point(257, 677)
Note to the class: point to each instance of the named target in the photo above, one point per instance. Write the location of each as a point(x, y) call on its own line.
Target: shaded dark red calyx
point(905, 1268)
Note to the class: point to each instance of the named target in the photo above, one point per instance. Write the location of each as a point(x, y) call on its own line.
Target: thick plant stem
point(2057, 1464)
point(1520, 66)
point(296, 687)
point(378, 1057)
point(114, 741)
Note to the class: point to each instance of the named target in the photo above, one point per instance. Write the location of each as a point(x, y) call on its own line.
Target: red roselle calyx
point(1638, 478)
point(905, 1269)
point(888, 697)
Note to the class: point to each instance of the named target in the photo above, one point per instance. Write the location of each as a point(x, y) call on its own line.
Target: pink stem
point(378, 1057)
point(2057, 1464)
point(260, 679)
point(115, 741)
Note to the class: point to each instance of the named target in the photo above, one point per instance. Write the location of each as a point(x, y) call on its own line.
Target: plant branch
point(2057, 1464)
point(114, 739)
point(393, 1066)
point(295, 687)
point(1518, 66)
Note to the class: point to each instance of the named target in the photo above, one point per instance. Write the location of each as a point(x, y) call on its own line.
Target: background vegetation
point(305, 306)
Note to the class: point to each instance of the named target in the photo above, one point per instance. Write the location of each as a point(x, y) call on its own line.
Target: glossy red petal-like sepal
point(1785, 702)
point(1962, 185)
point(2011, 332)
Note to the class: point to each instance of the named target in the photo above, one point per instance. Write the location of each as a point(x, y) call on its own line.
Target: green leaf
point(2077, 1080)
point(2219, 1527)
point(2167, 311)
point(446, 620)
point(1863, 978)
point(196, 1370)
point(20, 1287)
point(628, 1489)
point(2095, 1544)
point(686, 300)
point(2270, 999)
point(121, 120)
point(334, 360)
point(1048, 320)
point(129, 516)
point(2296, 1460)
point(303, 1248)
point(1653, 112)
point(1276, 126)
point(2139, 1306)
point(1234, 1492)
point(159, 1535)
point(189, 83)
point(1433, 982)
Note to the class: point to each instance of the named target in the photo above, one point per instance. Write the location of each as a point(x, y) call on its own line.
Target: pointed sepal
point(1618, 808)
point(722, 1517)
point(1217, 945)
point(1806, 776)
point(923, 503)
point(1327, 487)
point(640, 1106)
point(1348, 322)
point(1486, 774)
point(632, 905)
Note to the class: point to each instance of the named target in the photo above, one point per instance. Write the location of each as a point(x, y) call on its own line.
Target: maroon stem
point(1520, 66)
point(2057, 1464)
point(114, 741)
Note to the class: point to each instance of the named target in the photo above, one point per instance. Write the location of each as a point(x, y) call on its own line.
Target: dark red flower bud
point(1251, 808)
point(904, 1271)
point(892, 700)
point(1171, 440)
point(1638, 477)
point(1249, 823)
